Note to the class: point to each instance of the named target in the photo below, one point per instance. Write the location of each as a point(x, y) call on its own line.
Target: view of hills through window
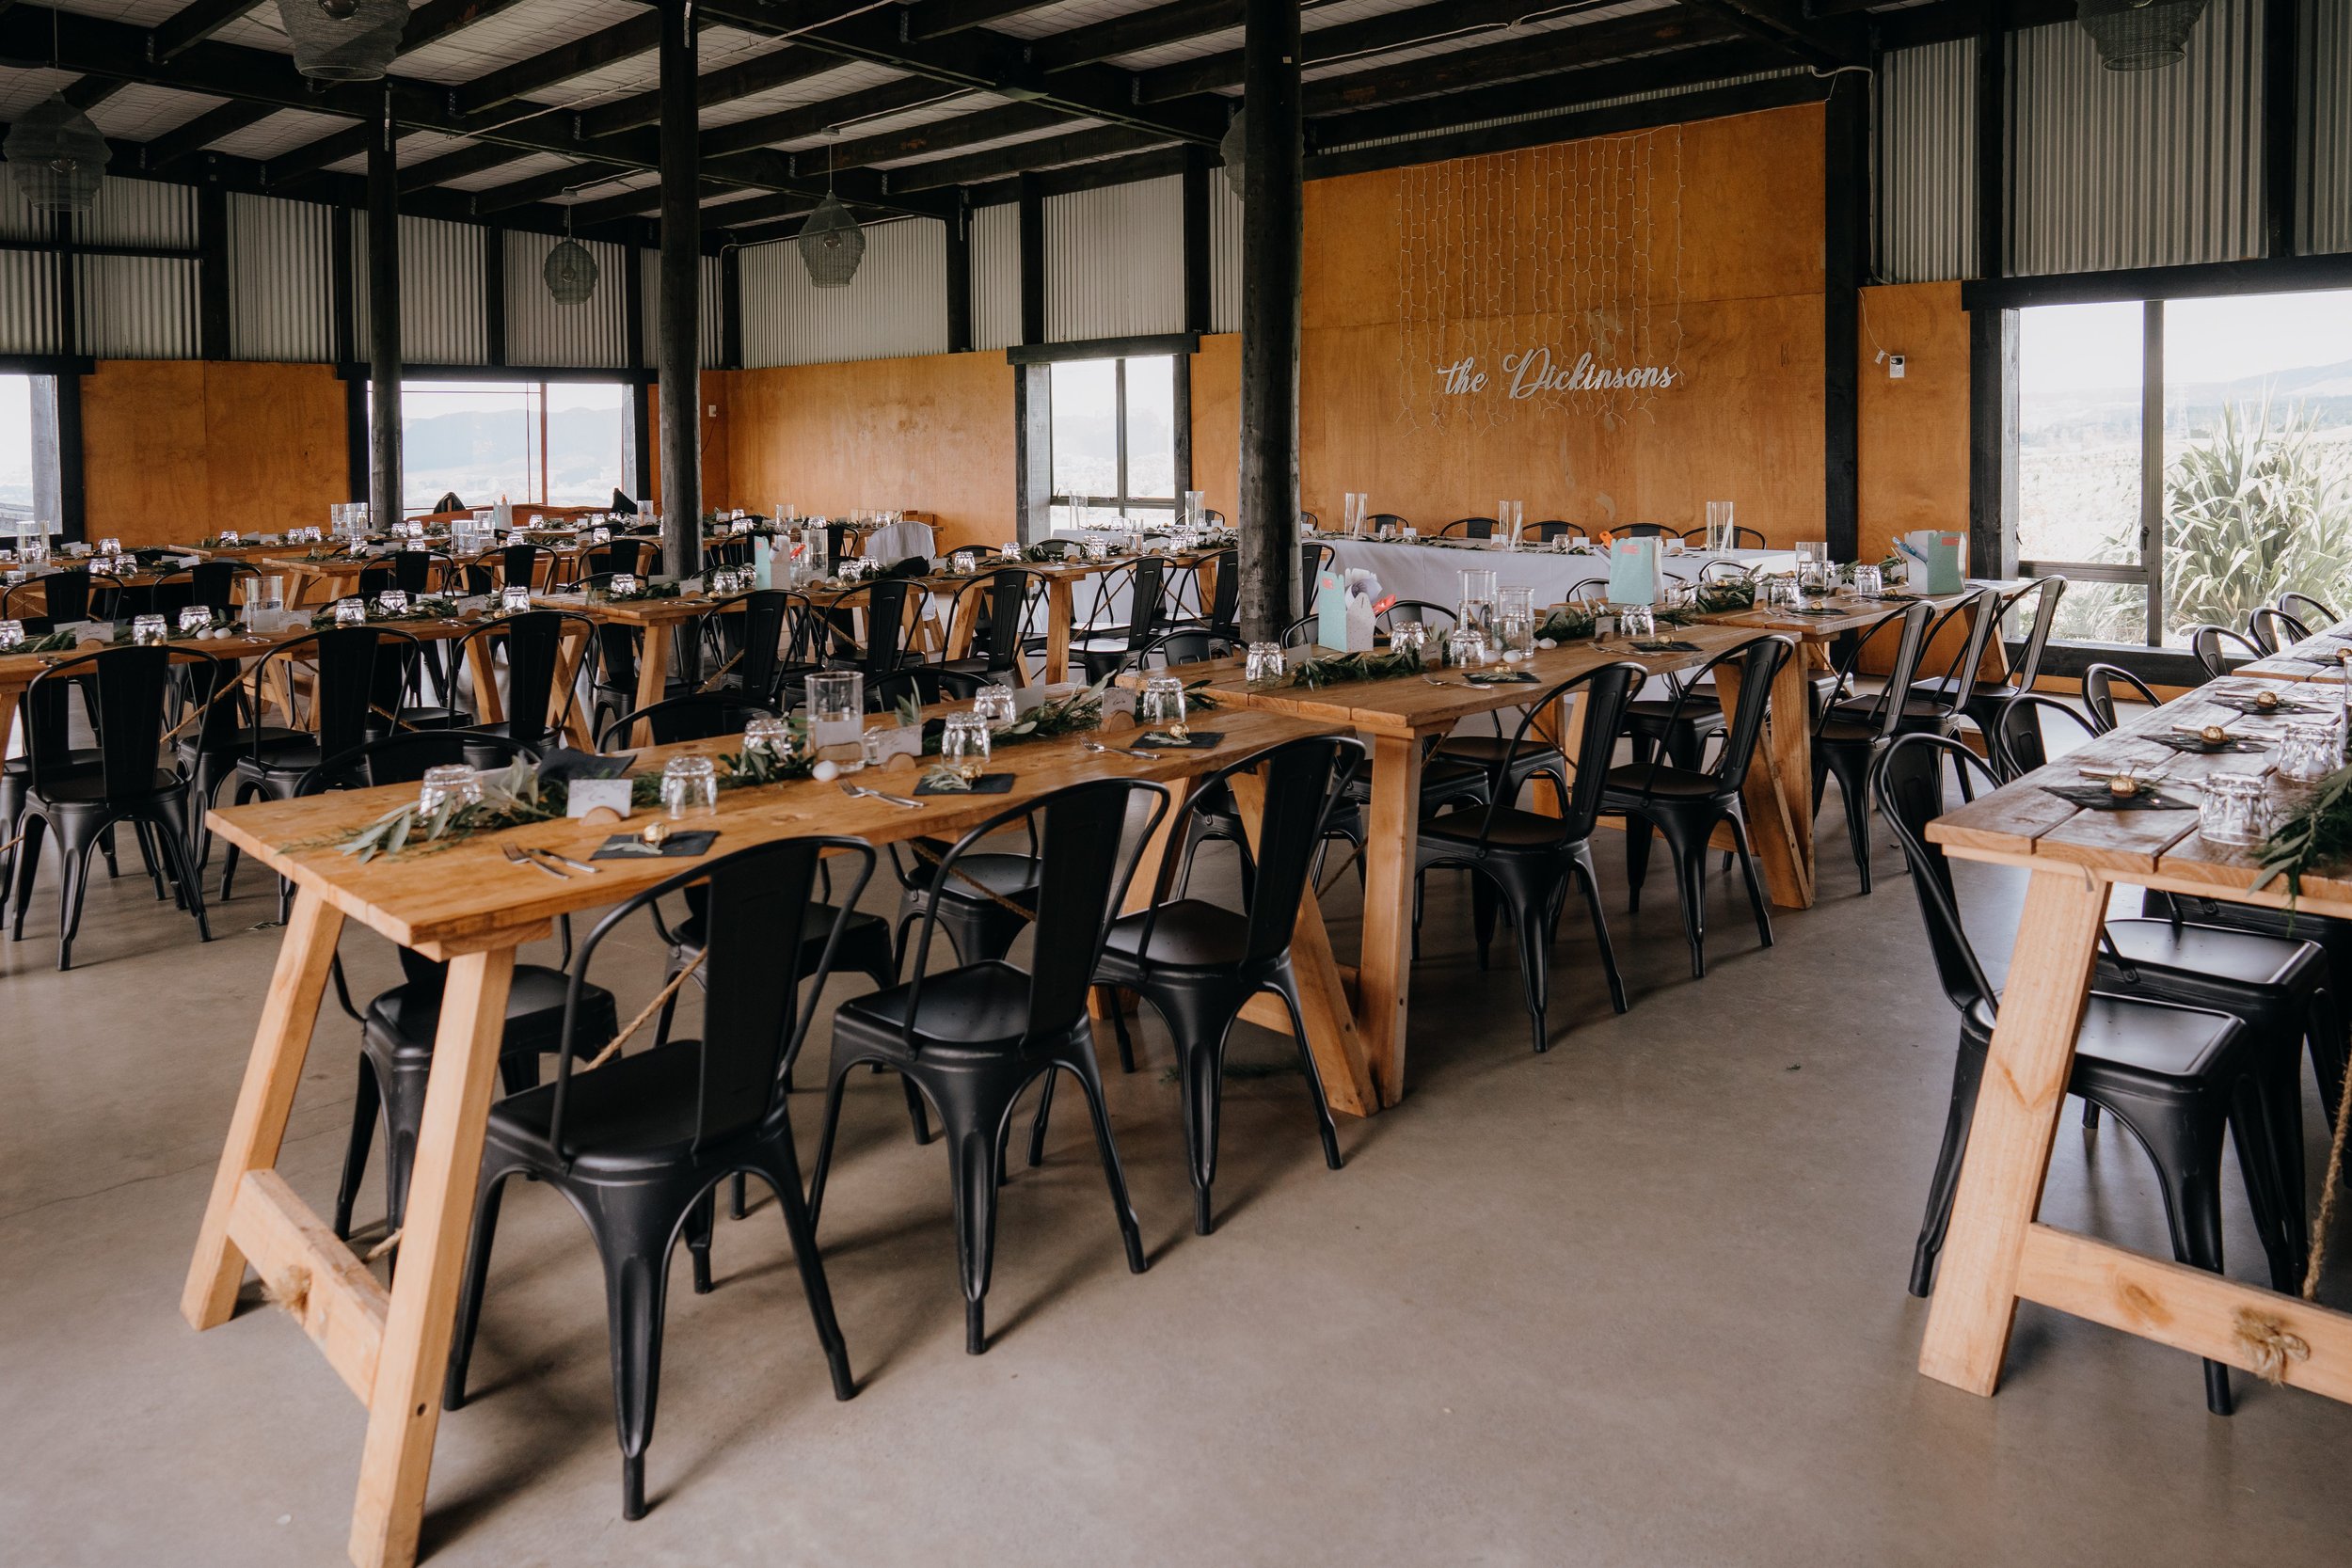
point(16, 448)
point(559, 443)
point(2254, 487)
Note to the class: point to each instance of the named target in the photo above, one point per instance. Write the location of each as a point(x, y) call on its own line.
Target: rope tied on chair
point(2269, 1346)
point(2330, 1186)
point(660, 998)
point(719, 674)
point(932, 858)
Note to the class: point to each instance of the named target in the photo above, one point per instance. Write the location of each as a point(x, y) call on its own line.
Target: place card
point(587, 795)
point(1119, 699)
point(887, 741)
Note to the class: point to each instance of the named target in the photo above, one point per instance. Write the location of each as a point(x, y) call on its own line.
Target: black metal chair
point(1469, 528)
point(1389, 519)
point(2212, 645)
point(2178, 1077)
point(1742, 538)
point(2272, 628)
point(1982, 700)
point(397, 1028)
point(975, 1037)
point(1555, 528)
point(699, 716)
point(2311, 612)
point(1643, 530)
point(885, 603)
point(766, 640)
point(2099, 683)
point(926, 683)
point(65, 794)
point(1685, 803)
point(1102, 647)
point(1845, 742)
point(47, 708)
point(638, 1145)
point(1525, 861)
point(1221, 616)
point(1010, 602)
point(1199, 963)
point(1314, 559)
point(2016, 743)
point(539, 708)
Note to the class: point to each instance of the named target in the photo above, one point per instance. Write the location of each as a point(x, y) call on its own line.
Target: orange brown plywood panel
point(275, 452)
point(144, 473)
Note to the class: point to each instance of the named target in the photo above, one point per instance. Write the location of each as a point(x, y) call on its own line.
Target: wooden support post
point(1845, 262)
point(405, 1408)
point(384, 470)
point(959, 276)
point(1273, 162)
point(678, 357)
point(2009, 1142)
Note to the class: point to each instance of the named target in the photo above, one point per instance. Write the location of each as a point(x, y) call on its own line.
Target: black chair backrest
point(518, 565)
point(1011, 597)
point(1179, 645)
point(1607, 689)
point(1374, 523)
point(1641, 530)
point(1887, 711)
point(2099, 681)
point(885, 600)
point(356, 671)
point(1301, 632)
point(2016, 742)
point(2211, 644)
point(2273, 629)
point(729, 550)
point(1981, 612)
point(533, 642)
point(66, 594)
point(412, 570)
point(1081, 876)
point(128, 687)
point(926, 683)
point(2308, 610)
point(1436, 617)
point(1552, 528)
point(1225, 598)
point(1907, 781)
point(752, 1016)
point(1305, 780)
point(1742, 538)
point(2051, 589)
point(766, 623)
point(838, 538)
point(697, 716)
point(214, 582)
point(1758, 660)
point(1314, 559)
point(1469, 528)
point(634, 556)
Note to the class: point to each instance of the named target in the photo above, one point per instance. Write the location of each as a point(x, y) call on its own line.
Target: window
point(1114, 436)
point(16, 451)
point(2184, 461)
point(563, 443)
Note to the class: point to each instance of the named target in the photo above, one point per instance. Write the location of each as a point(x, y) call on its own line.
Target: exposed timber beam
point(192, 24)
point(539, 187)
point(226, 119)
point(91, 92)
point(806, 120)
point(454, 165)
point(639, 34)
point(436, 19)
point(1829, 43)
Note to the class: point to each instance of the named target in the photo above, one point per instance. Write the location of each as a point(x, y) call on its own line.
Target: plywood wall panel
point(143, 451)
point(275, 455)
point(1217, 421)
point(1752, 190)
point(1914, 432)
point(932, 434)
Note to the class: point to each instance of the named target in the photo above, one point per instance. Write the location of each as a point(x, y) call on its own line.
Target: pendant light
point(2139, 35)
point(56, 157)
point(832, 243)
point(570, 272)
point(343, 40)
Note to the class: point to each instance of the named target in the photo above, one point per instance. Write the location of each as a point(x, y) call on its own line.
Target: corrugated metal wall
point(281, 285)
point(29, 303)
point(441, 318)
point(2325, 167)
point(897, 304)
point(2137, 168)
point(135, 308)
point(540, 331)
point(139, 212)
point(1114, 260)
point(996, 277)
point(713, 282)
point(1928, 163)
point(1224, 254)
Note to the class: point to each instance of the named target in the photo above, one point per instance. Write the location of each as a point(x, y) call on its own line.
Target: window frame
point(1124, 502)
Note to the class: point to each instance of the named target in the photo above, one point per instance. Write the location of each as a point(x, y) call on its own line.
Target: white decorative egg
point(825, 772)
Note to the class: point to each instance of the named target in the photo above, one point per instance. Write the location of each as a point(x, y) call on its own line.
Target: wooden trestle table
point(1996, 1253)
point(468, 904)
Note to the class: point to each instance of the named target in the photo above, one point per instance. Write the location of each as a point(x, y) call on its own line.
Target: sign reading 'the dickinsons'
point(1532, 371)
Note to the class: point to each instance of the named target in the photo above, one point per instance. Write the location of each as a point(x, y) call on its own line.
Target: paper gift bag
point(1343, 619)
point(1931, 560)
point(1633, 571)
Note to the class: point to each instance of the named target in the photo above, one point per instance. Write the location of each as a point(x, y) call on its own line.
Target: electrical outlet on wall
point(714, 407)
point(1894, 367)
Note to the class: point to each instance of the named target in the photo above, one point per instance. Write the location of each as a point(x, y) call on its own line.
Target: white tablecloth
point(1433, 573)
point(899, 540)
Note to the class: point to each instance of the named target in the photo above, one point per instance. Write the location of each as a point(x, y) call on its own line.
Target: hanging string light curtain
point(56, 156)
point(832, 243)
point(2139, 35)
point(343, 40)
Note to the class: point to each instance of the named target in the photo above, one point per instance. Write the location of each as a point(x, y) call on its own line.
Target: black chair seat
point(971, 1012)
point(404, 1020)
point(1672, 782)
point(1511, 827)
point(2228, 958)
point(91, 789)
point(1189, 933)
point(1012, 877)
point(1847, 732)
point(2138, 1048)
point(1655, 713)
point(1483, 752)
point(634, 1113)
point(78, 759)
point(1919, 714)
point(816, 926)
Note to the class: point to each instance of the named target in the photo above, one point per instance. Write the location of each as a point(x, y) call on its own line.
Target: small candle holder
point(146, 630)
point(351, 612)
point(514, 600)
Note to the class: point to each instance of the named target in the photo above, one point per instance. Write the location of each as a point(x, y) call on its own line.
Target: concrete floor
point(1637, 1301)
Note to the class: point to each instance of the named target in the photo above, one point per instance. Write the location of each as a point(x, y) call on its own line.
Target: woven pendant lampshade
point(1230, 151)
point(570, 272)
point(832, 243)
point(2139, 35)
point(343, 40)
point(56, 156)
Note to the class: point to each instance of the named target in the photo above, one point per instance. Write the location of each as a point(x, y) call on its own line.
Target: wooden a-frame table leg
point(406, 1409)
point(653, 679)
point(258, 1125)
point(1061, 607)
point(1778, 790)
point(2016, 1117)
point(1391, 848)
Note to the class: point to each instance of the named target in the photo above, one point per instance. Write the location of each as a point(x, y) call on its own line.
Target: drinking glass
point(514, 599)
point(1868, 582)
point(599, 536)
point(1009, 549)
point(1721, 535)
point(1466, 646)
point(1098, 549)
point(351, 612)
point(1636, 622)
point(147, 628)
point(2236, 809)
point(1410, 637)
point(689, 787)
point(772, 735)
point(837, 698)
point(11, 634)
point(1264, 662)
point(195, 617)
point(394, 601)
point(995, 707)
point(621, 583)
point(449, 784)
point(964, 745)
point(1163, 705)
point(965, 562)
point(110, 546)
point(1478, 596)
point(231, 536)
point(2310, 750)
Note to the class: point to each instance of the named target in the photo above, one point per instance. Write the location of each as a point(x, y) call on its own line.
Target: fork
point(859, 792)
point(517, 856)
point(1122, 751)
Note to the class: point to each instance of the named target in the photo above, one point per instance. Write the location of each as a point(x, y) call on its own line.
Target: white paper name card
point(587, 794)
point(894, 740)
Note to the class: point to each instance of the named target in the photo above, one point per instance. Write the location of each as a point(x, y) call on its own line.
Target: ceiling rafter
point(193, 23)
point(225, 120)
point(1828, 42)
point(541, 188)
point(481, 156)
